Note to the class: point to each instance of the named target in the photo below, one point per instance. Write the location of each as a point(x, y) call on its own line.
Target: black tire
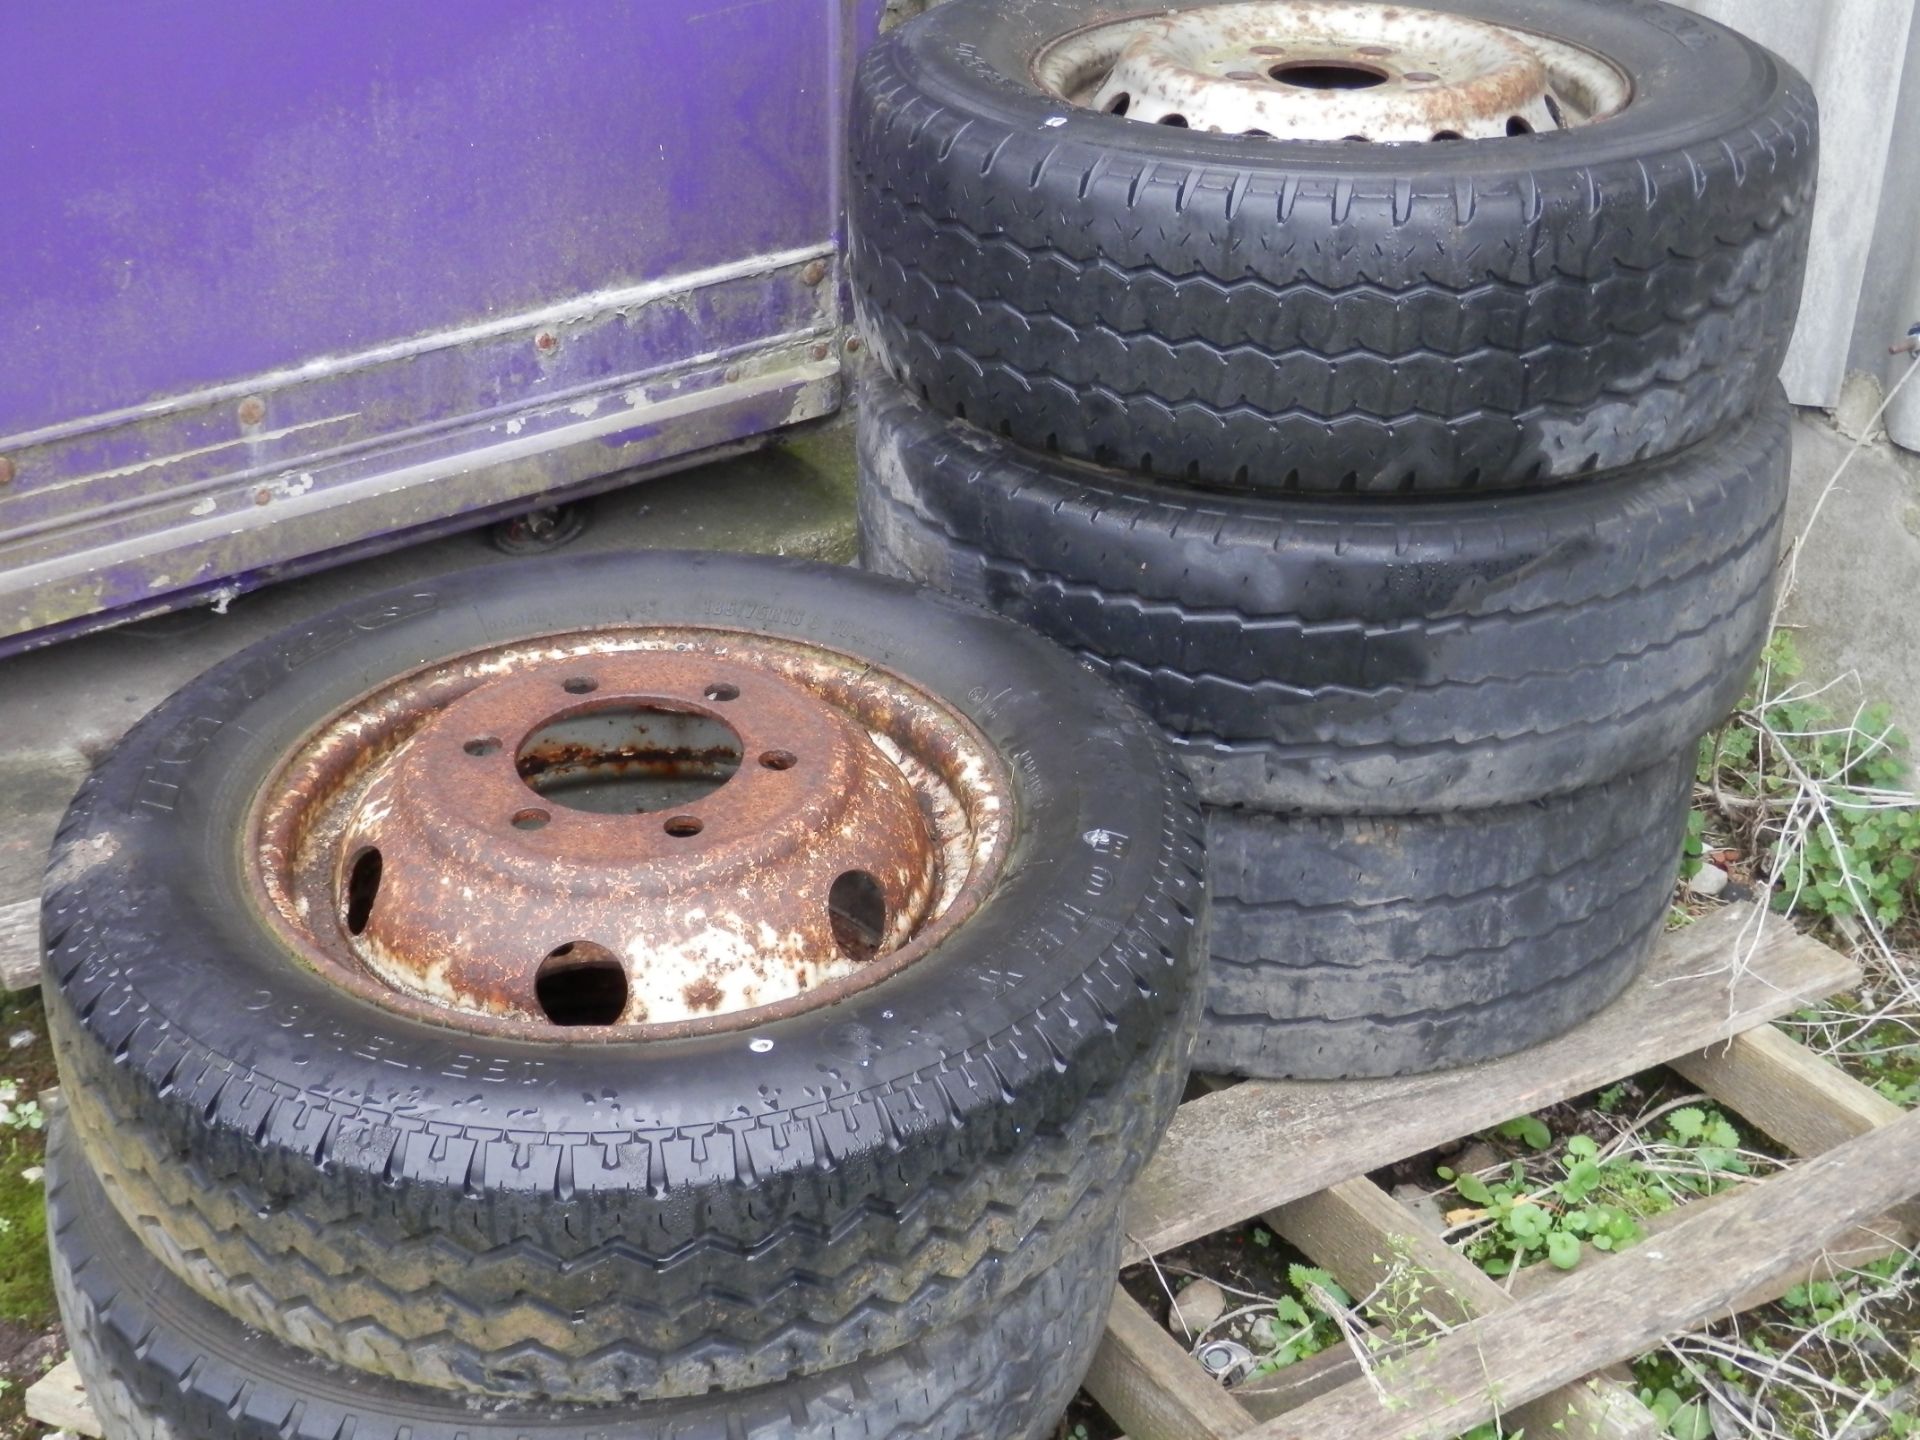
point(1358, 946)
point(1268, 314)
point(627, 1220)
point(1343, 656)
point(160, 1363)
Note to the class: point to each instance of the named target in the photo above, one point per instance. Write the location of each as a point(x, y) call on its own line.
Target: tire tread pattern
point(161, 1364)
point(1360, 659)
point(1296, 329)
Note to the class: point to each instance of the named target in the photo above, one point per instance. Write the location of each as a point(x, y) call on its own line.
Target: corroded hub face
point(1329, 70)
point(656, 829)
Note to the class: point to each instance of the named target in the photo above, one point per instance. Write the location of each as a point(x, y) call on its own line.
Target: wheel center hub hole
point(1328, 75)
point(623, 759)
point(581, 983)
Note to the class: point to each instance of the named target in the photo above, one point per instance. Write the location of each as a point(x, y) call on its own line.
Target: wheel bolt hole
point(681, 826)
point(857, 911)
point(580, 685)
point(1118, 105)
point(363, 888)
point(1177, 120)
point(721, 690)
point(779, 759)
point(485, 745)
point(530, 819)
point(581, 983)
point(1517, 125)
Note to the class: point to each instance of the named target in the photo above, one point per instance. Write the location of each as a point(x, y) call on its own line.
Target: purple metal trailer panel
point(281, 284)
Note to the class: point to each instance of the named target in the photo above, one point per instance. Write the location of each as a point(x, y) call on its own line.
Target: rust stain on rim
point(628, 835)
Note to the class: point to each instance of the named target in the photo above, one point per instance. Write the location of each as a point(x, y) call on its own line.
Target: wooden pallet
point(1296, 1154)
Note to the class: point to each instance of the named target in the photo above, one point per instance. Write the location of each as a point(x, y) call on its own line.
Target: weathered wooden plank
point(1599, 1410)
point(1359, 1233)
point(59, 1400)
point(1808, 1104)
point(20, 945)
point(1603, 1313)
point(1862, 1245)
point(1239, 1151)
point(1152, 1388)
point(1805, 1102)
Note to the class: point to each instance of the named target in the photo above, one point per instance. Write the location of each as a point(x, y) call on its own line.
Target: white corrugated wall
point(1863, 274)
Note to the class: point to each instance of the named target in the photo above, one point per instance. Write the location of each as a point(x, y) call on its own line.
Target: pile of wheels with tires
point(672, 997)
point(1386, 398)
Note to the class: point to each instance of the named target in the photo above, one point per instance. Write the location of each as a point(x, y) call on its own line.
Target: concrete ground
point(63, 707)
point(1854, 606)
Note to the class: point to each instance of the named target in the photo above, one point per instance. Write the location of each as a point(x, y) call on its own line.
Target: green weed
point(26, 1286)
point(1823, 794)
point(1596, 1199)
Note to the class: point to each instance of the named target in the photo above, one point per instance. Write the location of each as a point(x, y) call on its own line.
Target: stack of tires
point(1387, 399)
point(305, 1192)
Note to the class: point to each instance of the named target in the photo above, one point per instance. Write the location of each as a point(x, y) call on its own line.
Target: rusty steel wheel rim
point(1331, 70)
point(636, 834)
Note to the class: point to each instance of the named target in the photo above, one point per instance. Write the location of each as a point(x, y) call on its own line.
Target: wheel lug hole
point(483, 745)
point(682, 826)
point(530, 819)
point(580, 685)
point(721, 690)
point(779, 759)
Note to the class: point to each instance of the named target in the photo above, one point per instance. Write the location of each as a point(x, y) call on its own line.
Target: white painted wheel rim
point(1332, 70)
